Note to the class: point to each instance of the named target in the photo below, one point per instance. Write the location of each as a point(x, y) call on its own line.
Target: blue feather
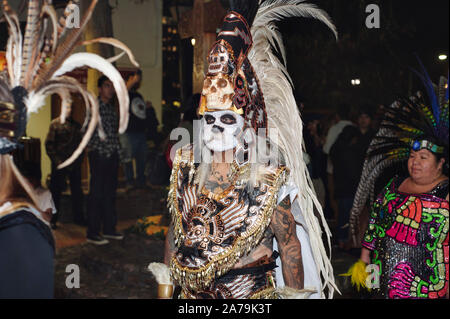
point(431, 92)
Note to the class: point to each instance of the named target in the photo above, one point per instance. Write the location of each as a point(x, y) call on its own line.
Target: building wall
point(139, 25)
point(37, 127)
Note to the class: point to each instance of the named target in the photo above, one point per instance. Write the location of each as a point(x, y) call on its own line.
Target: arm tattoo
point(284, 227)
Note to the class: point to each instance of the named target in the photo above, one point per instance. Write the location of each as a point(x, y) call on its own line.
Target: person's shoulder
point(23, 215)
point(135, 94)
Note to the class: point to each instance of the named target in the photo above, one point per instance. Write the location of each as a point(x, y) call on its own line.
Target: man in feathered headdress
point(36, 64)
point(236, 190)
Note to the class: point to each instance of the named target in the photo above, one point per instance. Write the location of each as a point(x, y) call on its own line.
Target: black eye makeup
point(228, 119)
point(210, 119)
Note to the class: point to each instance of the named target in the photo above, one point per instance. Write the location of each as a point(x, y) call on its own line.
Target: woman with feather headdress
point(35, 66)
point(231, 201)
point(408, 232)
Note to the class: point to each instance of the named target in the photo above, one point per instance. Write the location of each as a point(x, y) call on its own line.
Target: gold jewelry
point(165, 291)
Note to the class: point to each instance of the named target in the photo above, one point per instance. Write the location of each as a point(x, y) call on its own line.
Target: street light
point(356, 82)
point(443, 57)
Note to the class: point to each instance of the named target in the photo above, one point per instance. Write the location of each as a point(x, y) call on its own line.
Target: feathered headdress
point(36, 64)
point(284, 119)
point(414, 123)
point(231, 83)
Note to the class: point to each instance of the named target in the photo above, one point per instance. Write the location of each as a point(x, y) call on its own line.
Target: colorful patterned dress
point(408, 235)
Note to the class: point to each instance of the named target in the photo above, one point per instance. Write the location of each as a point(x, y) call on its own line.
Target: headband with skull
point(231, 83)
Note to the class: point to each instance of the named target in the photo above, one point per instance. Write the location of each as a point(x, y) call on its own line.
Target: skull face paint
point(220, 130)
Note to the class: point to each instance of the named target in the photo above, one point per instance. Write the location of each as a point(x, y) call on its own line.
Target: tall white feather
point(93, 101)
point(284, 117)
point(14, 47)
point(94, 61)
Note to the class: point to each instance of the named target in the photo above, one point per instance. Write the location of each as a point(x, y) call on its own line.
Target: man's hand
point(132, 81)
point(284, 227)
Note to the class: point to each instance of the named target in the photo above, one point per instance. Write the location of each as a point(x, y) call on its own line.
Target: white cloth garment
point(311, 272)
point(45, 199)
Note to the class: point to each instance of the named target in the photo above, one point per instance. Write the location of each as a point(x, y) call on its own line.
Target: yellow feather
point(358, 274)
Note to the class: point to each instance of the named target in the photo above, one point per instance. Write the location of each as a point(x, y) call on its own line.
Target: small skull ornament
point(218, 60)
point(218, 92)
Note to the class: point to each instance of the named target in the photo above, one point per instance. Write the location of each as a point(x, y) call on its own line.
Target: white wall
point(139, 26)
point(37, 127)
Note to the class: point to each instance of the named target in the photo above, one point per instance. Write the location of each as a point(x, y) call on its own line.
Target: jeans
point(102, 195)
point(135, 147)
point(57, 185)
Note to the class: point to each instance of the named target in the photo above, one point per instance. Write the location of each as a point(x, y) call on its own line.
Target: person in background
point(152, 124)
point(134, 140)
point(62, 140)
point(104, 166)
point(314, 141)
point(347, 166)
point(407, 238)
point(341, 120)
point(365, 122)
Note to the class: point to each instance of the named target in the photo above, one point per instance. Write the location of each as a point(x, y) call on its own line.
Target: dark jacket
point(348, 159)
point(26, 257)
point(138, 114)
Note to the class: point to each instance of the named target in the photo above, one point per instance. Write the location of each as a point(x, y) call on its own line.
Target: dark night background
point(322, 68)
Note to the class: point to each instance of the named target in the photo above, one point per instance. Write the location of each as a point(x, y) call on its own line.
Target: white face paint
point(220, 130)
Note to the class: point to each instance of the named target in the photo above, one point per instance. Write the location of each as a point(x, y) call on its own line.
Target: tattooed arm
point(169, 248)
point(284, 228)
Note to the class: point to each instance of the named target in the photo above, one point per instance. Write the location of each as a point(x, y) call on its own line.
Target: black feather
point(246, 8)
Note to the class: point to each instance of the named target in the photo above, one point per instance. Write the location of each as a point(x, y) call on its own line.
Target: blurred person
point(134, 140)
point(314, 141)
point(104, 166)
point(26, 239)
point(365, 126)
point(62, 140)
point(347, 166)
point(27, 245)
point(152, 124)
point(341, 120)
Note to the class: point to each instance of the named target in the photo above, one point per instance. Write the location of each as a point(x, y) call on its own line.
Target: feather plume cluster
point(38, 60)
point(405, 121)
point(284, 118)
point(161, 273)
point(358, 275)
